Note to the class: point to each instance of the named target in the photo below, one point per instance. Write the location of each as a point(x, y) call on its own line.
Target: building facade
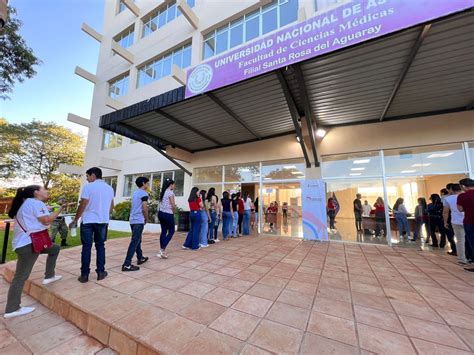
point(146, 46)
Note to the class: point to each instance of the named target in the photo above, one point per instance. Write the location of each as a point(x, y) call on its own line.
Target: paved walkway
point(258, 295)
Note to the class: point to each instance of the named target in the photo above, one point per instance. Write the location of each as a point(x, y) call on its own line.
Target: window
point(283, 170)
point(122, 7)
point(161, 67)
point(118, 87)
point(125, 38)
point(321, 5)
point(155, 182)
point(161, 17)
point(357, 165)
point(111, 140)
point(112, 181)
point(268, 18)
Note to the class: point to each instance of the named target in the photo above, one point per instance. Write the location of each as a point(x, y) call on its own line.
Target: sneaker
point(469, 269)
point(129, 268)
point(52, 279)
point(203, 246)
point(217, 240)
point(452, 253)
point(143, 260)
point(21, 312)
point(83, 278)
point(101, 275)
point(185, 248)
point(163, 255)
point(462, 262)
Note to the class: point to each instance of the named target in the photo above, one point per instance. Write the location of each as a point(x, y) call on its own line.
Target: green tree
point(17, 60)
point(37, 149)
point(65, 185)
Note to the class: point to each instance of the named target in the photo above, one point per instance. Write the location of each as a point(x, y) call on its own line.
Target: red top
point(241, 206)
point(331, 205)
point(466, 200)
point(379, 207)
point(272, 209)
point(194, 205)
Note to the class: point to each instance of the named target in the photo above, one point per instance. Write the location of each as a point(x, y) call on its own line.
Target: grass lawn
point(72, 241)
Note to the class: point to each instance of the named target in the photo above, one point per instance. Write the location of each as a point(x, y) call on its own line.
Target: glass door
point(281, 209)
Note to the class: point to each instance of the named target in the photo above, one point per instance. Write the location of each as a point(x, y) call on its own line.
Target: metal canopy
point(421, 71)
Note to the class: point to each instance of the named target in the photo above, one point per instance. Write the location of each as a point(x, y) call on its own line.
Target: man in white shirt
point(97, 202)
point(457, 218)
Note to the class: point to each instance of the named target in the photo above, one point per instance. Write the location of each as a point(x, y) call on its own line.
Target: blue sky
point(52, 28)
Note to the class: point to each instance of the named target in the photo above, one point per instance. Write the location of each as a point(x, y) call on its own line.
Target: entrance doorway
point(287, 221)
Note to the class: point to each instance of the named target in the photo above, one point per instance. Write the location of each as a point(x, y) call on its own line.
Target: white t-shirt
point(165, 205)
point(27, 216)
point(366, 209)
point(100, 196)
point(248, 204)
point(456, 216)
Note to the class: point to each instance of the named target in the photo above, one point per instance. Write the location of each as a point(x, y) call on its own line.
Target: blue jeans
point(192, 239)
point(226, 223)
point(97, 233)
point(212, 232)
point(135, 244)
point(469, 229)
point(167, 228)
point(235, 223)
point(204, 228)
point(402, 222)
point(246, 223)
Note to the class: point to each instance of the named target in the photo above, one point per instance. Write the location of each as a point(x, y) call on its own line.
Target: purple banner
point(346, 25)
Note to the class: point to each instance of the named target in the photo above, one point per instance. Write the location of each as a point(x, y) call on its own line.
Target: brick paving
point(258, 295)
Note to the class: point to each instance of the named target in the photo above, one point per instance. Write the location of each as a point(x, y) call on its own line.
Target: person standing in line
point(95, 208)
point(235, 216)
point(205, 220)
point(31, 215)
point(195, 207)
point(59, 224)
point(213, 208)
point(256, 212)
point(284, 209)
point(227, 216)
point(465, 203)
point(450, 210)
point(421, 218)
point(240, 209)
point(401, 213)
point(435, 213)
point(380, 224)
point(448, 228)
point(331, 213)
point(138, 217)
point(166, 216)
point(247, 212)
point(358, 210)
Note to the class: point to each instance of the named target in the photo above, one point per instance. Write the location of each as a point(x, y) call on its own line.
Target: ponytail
point(21, 195)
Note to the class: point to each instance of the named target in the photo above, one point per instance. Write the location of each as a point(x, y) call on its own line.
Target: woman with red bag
point(32, 219)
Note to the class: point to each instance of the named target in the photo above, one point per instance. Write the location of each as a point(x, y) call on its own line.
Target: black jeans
point(167, 228)
point(135, 244)
point(332, 219)
point(380, 225)
point(93, 233)
point(450, 235)
point(436, 223)
point(358, 220)
point(241, 218)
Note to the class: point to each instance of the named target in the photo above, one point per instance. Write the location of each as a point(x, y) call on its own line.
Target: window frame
point(121, 79)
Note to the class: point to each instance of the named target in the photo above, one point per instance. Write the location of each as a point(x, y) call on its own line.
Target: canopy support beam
point(294, 113)
point(308, 112)
point(187, 126)
point(411, 58)
point(152, 141)
point(231, 113)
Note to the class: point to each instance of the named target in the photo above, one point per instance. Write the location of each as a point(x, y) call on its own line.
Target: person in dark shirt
point(358, 210)
point(465, 203)
point(436, 222)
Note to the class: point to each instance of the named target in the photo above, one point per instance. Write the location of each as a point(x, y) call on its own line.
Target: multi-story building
point(391, 115)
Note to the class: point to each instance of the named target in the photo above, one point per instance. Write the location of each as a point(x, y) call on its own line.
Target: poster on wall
point(315, 223)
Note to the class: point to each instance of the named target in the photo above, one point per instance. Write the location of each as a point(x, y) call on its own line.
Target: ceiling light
point(297, 172)
point(321, 132)
point(440, 155)
point(288, 167)
point(355, 174)
point(408, 171)
point(256, 175)
point(357, 169)
point(244, 170)
point(420, 165)
point(361, 161)
point(267, 178)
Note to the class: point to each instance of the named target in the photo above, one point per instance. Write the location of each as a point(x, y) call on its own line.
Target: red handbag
point(39, 240)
